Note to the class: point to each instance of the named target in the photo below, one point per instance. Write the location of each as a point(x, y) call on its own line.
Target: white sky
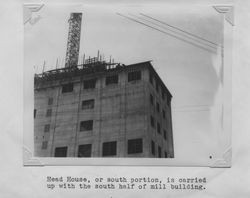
point(188, 71)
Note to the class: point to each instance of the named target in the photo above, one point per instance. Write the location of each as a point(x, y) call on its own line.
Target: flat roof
point(99, 67)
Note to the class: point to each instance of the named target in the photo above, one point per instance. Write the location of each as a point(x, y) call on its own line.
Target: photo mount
point(223, 153)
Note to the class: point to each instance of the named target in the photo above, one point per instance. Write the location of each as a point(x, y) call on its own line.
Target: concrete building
point(99, 109)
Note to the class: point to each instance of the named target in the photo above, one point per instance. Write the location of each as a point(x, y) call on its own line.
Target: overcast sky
point(188, 71)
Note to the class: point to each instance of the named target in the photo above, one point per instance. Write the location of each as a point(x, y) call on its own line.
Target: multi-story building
point(99, 109)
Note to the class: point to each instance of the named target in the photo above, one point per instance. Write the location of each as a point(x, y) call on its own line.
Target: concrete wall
point(121, 112)
point(165, 123)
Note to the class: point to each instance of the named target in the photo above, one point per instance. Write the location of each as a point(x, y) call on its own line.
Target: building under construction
point(100, 108)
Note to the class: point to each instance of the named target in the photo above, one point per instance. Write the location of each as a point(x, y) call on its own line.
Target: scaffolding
point(89, 66)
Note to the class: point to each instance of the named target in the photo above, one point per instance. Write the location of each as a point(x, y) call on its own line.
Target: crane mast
point(73, 43)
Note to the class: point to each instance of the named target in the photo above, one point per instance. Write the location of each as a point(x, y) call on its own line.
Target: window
point(135, 146)
point(157, 87)
point(61, 151)
point(88, 104)
point(158, 128)
point(49, 112)
point(163, 114)
point(86, 125)
point(50, 101)
point(165, 134)
point(89, 84)
point(44, 145)
point(159, 151)
point(162, 94)
point(111, 80)
point(153, 147)
point(152, 120)
point(132, 76)
point(109, 148)
point(166, 155)
point(151, 99)
point(47, 128)
point(67, 88)
point(34, 113)
point(168, 100)
point(157, 107)
point(84, 150)
point(151, 78)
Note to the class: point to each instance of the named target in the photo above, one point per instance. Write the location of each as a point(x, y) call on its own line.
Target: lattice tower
point(73, 43)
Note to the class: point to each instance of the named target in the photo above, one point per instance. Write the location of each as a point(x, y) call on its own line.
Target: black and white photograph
point(120, 81)
point(117, 99)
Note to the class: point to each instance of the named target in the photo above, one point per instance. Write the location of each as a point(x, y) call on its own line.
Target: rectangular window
point(84, 150)
point(151, 99)
point(109, 148)
point(34, 113)
point(165, 134)
point(132, 76)
point(168, 100)
point(88, 104)
point(166, 155)
point(135, 146)
point(157, 107)
point(158, 127)
point(163, 114)
point(153, 147)
point(152, 121)
point(49, 112)
point(50, 101)
point(159, 151)
point(44, 145)
point(151, 78)
point(67, 88)
point(157, 86)
point(162, 94)
point(86, 125)
point(112, 80)
point(47, 128)
point(89, 84)
point(61, 151)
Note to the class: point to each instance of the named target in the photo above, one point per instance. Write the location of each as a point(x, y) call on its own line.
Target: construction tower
point(73, 43)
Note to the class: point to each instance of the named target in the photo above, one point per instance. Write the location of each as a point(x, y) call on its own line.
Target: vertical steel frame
point(73, 43)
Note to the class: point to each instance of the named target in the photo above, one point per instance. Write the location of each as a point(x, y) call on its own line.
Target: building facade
point(102, 110)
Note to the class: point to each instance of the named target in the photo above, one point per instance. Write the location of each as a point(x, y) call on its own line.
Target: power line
point(165, 32)
point(177, 32)
point(191, 34)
